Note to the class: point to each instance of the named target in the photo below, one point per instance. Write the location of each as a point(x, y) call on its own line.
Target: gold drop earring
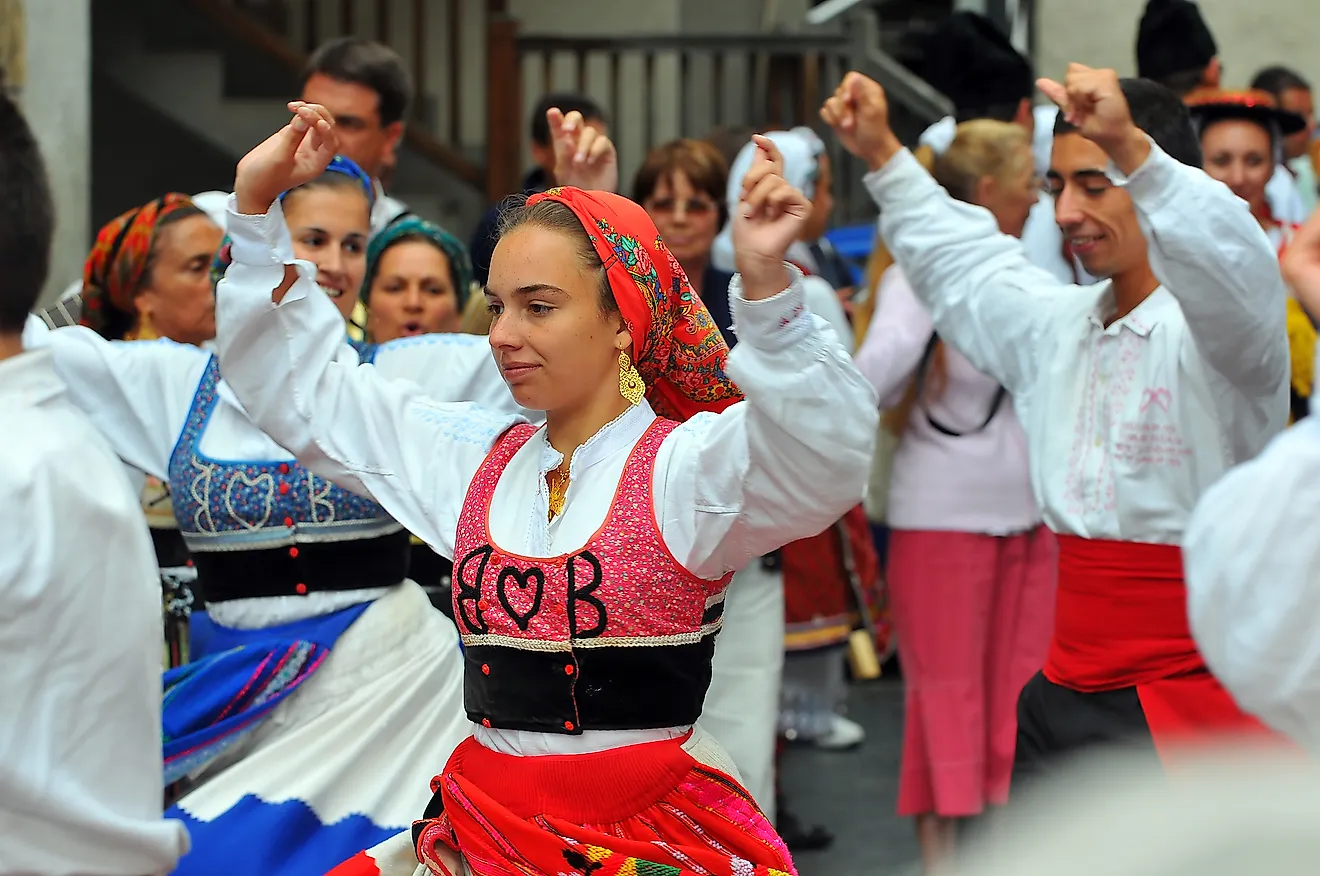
point(631, 386)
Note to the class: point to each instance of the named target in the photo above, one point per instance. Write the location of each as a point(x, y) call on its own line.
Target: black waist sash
point(314, 567)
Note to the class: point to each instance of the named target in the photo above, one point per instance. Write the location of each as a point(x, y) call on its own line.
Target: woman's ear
point(623, 339)
point(987, 187)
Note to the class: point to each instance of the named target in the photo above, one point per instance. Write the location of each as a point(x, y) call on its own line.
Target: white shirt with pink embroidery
point(1128, 423)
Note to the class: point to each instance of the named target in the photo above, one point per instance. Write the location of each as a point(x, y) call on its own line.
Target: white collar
point(623, 431)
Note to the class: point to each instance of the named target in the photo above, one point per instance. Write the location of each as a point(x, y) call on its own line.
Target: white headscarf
point(801, 149)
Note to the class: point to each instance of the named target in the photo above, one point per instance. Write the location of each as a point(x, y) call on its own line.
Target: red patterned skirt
point(641, 809)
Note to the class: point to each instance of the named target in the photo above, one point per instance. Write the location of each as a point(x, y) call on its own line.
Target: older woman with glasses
point(681, 185)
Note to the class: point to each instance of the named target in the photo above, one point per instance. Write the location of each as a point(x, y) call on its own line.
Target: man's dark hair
point(367, 63)
point(566, 101)
point(1277, 80)
point(1161, 114)
point(27, 218)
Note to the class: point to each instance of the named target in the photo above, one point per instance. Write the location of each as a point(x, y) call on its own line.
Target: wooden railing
point(653, 87)
point(273, 28)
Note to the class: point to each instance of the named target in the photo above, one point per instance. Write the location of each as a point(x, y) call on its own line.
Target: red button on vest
point(284, 468)
point(485, 722)
point(485, 669)
point(568, 670)
point(293, 552)
point(568, 725)
point(288, 521)
point(284, 489)
point(300, 588)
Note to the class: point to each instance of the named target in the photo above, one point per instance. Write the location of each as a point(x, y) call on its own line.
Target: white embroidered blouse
point(1127, 423)
point(785, 463)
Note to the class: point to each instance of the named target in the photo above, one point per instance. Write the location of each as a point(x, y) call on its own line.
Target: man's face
point(1097, 217)
point(1298, 100)
point(356, 111)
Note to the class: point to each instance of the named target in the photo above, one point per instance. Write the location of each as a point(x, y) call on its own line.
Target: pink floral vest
point(613, 636)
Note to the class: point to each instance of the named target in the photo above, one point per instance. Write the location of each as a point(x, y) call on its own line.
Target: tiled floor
point(853, 793)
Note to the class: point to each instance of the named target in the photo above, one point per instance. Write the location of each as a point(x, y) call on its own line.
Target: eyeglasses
point(692, 206)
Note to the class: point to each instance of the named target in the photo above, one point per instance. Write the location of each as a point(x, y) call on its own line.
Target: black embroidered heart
point(533, 578)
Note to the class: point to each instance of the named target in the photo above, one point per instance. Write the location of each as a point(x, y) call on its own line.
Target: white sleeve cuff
point(1153, 181)
point(259, 241)
point(774, 323)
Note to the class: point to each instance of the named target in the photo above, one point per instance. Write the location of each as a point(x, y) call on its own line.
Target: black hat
point(970, 61)
point(1173, 38)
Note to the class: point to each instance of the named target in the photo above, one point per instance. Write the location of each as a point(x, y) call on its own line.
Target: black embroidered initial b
point(584, 593)
point(467, 590)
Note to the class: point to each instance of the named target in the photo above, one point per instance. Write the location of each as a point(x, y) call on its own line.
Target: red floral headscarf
point(677, 347)
point(114, 268)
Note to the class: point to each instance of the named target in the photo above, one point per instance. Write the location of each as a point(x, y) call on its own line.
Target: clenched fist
point(859, 114)
point(1093, 102)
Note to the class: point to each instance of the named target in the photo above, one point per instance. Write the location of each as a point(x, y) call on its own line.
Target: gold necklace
point(557, 482)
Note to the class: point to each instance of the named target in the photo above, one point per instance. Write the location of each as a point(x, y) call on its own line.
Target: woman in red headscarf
point(590, 554)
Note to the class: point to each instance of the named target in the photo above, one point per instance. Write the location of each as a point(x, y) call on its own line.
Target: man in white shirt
point(1136, 393)
point(971, 62)
point(80, 623)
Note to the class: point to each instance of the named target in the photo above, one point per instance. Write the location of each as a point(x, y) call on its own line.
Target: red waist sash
point(1121, 621)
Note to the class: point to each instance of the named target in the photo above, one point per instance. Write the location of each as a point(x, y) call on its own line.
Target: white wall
point(1251, 35)
point(56, 98)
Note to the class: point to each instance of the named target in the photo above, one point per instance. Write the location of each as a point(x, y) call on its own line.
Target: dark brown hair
point(27, 217)
point(701, 162)
point(554, 216)
point(367, 63)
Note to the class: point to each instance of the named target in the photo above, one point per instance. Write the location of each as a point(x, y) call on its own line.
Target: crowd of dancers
point(487, 563)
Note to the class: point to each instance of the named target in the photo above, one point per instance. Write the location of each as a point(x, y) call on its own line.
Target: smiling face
point(412, 293)
point(330, 225)
point(555, 344)
point(1239, 154)
point(1097, 217)
point(176, 296)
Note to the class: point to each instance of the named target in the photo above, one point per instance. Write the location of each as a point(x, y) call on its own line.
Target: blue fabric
point(248, 501)
point(273, 839)
point(236, 678)
point(349, 168)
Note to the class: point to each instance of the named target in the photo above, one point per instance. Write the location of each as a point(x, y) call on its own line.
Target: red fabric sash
point(1121, 621)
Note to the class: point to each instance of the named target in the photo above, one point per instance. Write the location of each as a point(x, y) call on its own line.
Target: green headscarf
point(411, 228)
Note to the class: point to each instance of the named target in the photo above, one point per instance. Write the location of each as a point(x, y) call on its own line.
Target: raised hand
point(770, 217)
point(297, 153)
point(1301, 265)
point(1093, 102)
point(584, 157)
point(859, 114)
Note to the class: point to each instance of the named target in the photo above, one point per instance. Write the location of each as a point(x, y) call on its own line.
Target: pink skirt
point(973, 616)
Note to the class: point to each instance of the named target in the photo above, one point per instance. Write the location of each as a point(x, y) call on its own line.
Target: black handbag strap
point(926, 358)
